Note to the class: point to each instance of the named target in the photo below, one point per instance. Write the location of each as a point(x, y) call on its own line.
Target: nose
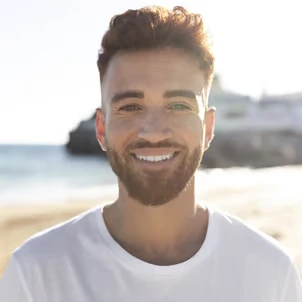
point(155, 128)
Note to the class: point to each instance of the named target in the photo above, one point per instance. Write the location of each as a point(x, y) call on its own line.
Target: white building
point(287, 108)
point(240, 113)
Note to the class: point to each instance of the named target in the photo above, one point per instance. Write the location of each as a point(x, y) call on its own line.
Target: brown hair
point(157, 27)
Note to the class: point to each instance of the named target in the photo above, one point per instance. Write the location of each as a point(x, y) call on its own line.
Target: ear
point(209, 125)
point(100, 128)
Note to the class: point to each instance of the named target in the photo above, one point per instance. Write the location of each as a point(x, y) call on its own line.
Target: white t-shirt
point(79, 261)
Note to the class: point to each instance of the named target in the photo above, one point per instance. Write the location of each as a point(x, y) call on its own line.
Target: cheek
point(119, 133)
point(190, 125)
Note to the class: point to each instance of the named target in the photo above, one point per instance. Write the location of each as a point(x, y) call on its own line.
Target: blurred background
point(51, 167)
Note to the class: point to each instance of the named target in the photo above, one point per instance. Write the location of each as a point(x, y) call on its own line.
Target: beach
point(267, 199)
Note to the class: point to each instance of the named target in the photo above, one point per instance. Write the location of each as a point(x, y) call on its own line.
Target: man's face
point(153, 124)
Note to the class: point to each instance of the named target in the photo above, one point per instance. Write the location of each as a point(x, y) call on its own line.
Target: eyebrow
point(129, 94)
point(180, 93)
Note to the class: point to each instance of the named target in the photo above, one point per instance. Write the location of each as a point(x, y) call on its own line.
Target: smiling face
point(154, 125)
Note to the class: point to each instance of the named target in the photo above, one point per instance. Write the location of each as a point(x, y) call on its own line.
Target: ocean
point(32, 173)
point(43, 174)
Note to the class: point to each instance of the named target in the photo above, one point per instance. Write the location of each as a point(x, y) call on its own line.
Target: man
point(155, 242)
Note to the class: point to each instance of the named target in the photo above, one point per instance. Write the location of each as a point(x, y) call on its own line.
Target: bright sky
point(48, 51)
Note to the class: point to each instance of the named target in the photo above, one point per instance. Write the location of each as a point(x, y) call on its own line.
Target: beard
point(152, 188)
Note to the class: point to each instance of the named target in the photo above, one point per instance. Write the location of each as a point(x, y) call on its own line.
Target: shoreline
point(228, 180)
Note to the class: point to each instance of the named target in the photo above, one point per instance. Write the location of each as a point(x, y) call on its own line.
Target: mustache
point(146, 144)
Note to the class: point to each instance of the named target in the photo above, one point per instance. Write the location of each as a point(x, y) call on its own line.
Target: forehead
point(153, 71)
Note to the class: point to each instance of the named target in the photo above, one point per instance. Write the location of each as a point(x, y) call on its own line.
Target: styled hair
point(155, 27)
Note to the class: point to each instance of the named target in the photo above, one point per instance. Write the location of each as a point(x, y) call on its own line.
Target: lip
point(156, 166)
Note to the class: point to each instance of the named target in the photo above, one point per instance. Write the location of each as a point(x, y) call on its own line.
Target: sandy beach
point(268, 199)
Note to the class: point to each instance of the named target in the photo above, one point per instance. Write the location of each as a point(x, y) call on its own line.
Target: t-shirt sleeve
point(292, 287)
point(12, 284)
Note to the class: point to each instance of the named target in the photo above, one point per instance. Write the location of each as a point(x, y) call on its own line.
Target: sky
point(48, 51)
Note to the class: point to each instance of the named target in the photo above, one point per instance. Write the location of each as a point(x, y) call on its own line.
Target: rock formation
point(243, 148)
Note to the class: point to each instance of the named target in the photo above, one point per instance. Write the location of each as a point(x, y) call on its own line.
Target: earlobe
point(100, 128)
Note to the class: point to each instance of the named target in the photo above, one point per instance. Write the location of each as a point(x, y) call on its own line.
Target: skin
point(159, 231)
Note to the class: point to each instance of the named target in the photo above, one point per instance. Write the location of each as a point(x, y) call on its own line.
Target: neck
point(169, 233)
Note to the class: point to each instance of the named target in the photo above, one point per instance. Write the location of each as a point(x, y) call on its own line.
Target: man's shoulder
point(256, 257)
point(61, 238)
point(245, 239)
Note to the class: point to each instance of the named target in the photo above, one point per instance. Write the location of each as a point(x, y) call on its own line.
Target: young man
point(154, 243)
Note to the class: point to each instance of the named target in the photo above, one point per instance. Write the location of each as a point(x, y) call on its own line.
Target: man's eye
point(130, 108)
point(180, 107)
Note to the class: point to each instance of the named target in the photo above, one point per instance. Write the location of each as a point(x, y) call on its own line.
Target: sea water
point(40, 174)
point(32, 173)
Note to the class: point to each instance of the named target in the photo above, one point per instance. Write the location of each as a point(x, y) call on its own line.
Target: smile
point(156, 158)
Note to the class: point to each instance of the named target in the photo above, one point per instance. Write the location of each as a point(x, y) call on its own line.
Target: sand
point(268, 200)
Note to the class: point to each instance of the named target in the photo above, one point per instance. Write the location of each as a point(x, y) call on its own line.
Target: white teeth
point(155, 158)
